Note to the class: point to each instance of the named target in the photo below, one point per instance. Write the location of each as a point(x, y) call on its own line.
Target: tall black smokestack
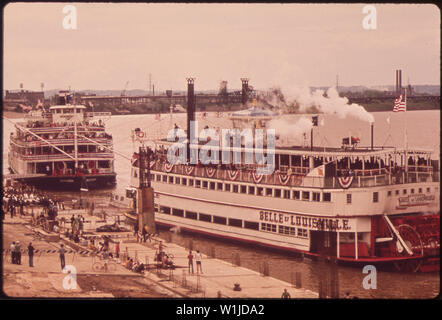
point(372, 135)
point(400, 81)
point(244, 91)
point(190, 111)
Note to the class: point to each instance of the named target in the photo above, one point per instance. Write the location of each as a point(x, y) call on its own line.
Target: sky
point(272, 44)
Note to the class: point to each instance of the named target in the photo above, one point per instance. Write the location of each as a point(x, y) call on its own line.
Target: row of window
point(268, 227)
point(208, 218)
point(243, 188)
point(389, 194)
point(285, 230)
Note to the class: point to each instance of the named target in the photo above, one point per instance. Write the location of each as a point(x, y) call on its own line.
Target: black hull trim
point(72, 183)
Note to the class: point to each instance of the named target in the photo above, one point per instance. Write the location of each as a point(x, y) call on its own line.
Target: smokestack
point(244, 91)
point(372, 135)
point(400, 81)
point(190, 110)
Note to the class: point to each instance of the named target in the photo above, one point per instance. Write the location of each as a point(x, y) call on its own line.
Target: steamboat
point(63, 148)
point(358, 205)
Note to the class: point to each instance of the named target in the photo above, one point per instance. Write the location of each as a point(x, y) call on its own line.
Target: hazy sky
point(272, 44)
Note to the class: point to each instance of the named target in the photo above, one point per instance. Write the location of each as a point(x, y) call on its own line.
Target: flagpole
point(406, 132)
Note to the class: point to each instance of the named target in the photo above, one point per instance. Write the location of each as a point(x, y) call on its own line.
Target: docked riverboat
point(63, 148)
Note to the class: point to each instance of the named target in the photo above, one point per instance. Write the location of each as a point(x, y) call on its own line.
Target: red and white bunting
point(188, 170)
point(232, 174)
point(283, 178)
point(152, 164)
point(210, 172)
point(168, 167)
point(257, 177)
point(345, 182)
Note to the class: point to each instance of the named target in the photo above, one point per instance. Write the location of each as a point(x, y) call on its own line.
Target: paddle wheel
point(413, 240)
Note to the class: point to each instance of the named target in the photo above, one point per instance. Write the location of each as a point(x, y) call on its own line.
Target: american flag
point(399, 105)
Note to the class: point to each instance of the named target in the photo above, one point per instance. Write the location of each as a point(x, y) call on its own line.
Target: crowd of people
point(16, 198)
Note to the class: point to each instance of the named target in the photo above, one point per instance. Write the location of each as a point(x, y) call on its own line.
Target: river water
point(422, 130)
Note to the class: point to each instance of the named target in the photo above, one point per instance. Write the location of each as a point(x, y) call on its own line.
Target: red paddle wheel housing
point(420, 233)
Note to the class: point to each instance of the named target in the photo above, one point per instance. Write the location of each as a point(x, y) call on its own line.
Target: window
point(428, 190)
point(296, 195)
point(396, 192)
point(420, 190)
point(219, 186)
point(219, 220)
point(197, 183)
point(205, 184)
point(412, 190)
point(227, 186)
point(164, 209)
point(251, 190)
point(303, 233)
point(305, 195)
point(235, 222)
point(191, 215)
point(375, 196)
point(235, 188)
point(243, 189)
point(212, 185)
point(289, 231)
point(191, 182)
point(184, 181)
point(158, 177)
point(177, 180)
point(389, 193)
point(170, 179)
point(277, 193)
point(286, 194)
point(269, 192)
point(349, 198)
point(164, 178)
point(260, 191)
point(404, 191)
point(178, 212)
point(316, 196)
point(251, 225)
point(326, 196)
point(268, 227)
point(205, 217)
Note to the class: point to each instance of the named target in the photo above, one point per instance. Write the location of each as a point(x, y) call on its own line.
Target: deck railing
point(382, 178)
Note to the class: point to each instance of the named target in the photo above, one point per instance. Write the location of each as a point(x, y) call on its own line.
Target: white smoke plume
point(287, 129)
point(331, 104)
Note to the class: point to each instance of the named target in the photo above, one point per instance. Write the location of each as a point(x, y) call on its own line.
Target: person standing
point(62, 251)
point(198, 259)
point(31, 254)
point(285, 294)
point(18, 252)
point(117, 250)
point(12, 248)
point(190, 258)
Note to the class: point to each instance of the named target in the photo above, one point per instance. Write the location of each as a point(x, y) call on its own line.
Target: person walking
point(198, 259)
point(62, 251)
point(18, 252)
point(190, 258)
point(31, 254)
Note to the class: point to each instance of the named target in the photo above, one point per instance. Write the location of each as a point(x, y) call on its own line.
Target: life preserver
point(140, 134)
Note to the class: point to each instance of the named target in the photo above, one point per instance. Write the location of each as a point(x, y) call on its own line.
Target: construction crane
point(123, 93)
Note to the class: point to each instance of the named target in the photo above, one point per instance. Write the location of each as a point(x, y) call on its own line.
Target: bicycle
point(102, 265)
